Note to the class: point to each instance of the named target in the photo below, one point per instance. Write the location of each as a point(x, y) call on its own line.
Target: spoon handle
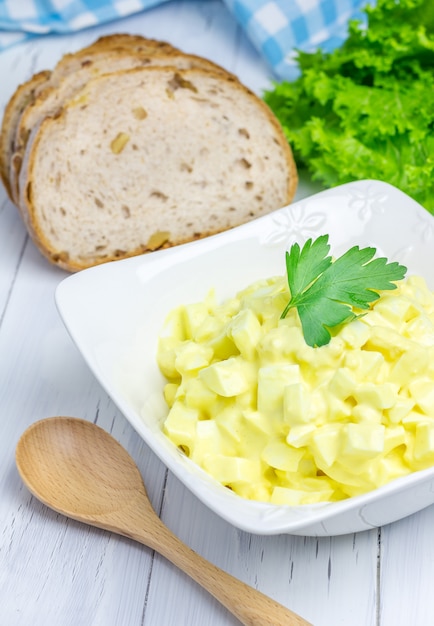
point(249, 605)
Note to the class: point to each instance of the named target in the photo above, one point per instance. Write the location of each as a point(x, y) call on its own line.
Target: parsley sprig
point(324, 290)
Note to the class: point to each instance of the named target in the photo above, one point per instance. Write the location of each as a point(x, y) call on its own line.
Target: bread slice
point(135, 44)
point(27, 92)
point(23, 95)
point(83, 61)
point(74, 71)
point(150, 157)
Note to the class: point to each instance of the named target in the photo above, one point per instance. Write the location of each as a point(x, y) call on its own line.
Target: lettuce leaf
point(366, 110)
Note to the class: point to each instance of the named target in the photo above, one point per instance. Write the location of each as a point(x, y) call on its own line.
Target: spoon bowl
point(81, 471)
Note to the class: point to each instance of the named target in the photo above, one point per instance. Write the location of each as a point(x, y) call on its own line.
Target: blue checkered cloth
point(21, 19)
point(277, 28)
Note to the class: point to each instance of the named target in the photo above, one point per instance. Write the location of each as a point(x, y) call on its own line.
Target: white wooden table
point(56, 572)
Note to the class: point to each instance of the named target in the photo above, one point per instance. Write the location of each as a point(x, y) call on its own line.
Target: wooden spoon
point(79, 470)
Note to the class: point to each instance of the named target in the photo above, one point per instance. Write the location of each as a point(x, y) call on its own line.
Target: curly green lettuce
point(366, 110)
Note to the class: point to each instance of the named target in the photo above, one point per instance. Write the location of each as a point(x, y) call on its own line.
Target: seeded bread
point(74, 69)
point(25, 94)
point(150, 157)
point(101, 61)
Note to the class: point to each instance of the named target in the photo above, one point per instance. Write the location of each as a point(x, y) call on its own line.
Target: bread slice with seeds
point(149, 157)
point(27, 92)
point(109, 53)
point(51, 100)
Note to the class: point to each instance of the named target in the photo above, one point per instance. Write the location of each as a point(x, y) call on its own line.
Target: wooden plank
point(407, 571)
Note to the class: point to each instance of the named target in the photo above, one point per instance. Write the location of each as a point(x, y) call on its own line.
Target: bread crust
point(122, 40)
point(118, 42)
point(194, 111)
point(23, 95)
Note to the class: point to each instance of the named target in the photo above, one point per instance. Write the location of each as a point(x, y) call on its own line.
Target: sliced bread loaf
point(147, 157)
point(26, 93)
point(51, 99)
point(110, 53)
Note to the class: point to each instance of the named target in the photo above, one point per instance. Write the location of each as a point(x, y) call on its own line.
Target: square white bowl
point(114, 313)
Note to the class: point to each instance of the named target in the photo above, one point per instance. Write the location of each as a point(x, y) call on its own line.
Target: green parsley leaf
point(324, 291)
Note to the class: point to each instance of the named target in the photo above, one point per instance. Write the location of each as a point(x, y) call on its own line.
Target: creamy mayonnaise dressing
point(276, 420)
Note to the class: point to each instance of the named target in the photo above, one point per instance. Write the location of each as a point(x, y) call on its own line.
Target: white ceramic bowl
point(114, 313)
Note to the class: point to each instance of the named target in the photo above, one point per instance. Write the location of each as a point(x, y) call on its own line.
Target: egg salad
point(279, 421)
